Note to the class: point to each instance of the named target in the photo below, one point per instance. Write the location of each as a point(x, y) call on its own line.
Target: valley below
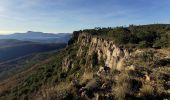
point(20, 51)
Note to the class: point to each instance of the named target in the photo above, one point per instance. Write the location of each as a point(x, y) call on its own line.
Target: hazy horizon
point(13, 32)
point(60, 16)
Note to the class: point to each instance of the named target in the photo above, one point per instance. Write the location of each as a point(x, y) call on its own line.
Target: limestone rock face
point(106, 50)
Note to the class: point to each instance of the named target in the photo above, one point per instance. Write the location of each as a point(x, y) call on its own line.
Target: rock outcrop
point(112, 55)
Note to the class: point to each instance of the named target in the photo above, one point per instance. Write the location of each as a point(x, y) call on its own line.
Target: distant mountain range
point(11, 49)
point(39, 37)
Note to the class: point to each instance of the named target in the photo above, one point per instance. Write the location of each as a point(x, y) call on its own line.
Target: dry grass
point(122, 86)
point(92, 84)
point(165, 51)
point(147, 90)
point(86, 77)
point(47, 92)
point(120, 91)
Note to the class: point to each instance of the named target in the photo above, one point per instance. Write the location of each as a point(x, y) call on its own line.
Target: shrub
point(83, 61)
point(63, 75)
point(163, 62)
point(76, 67)
point(163, 41)
point(122, 38)
point(102, 62)
point(148, 56)
point(143, 44)
point(147, 36)
point(135, 85)
point(133, 39)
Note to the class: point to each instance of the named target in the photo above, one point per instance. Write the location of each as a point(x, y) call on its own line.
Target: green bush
point(83, 61)
point(163, 41)
point(147, 36)
point(143, 44)
point(147, 56)
point(122, 38)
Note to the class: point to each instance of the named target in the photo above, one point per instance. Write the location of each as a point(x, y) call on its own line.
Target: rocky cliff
point(112, 55)
point(134, 70)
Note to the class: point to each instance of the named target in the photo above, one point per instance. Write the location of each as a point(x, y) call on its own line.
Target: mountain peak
point(30, 32)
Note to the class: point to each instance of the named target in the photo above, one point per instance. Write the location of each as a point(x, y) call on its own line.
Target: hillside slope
point(110, 63)
point(15, 66)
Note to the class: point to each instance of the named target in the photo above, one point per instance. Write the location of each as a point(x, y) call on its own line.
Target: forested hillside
point(15, 66)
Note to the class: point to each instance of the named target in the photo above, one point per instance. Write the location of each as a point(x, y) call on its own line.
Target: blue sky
point(68, 15)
